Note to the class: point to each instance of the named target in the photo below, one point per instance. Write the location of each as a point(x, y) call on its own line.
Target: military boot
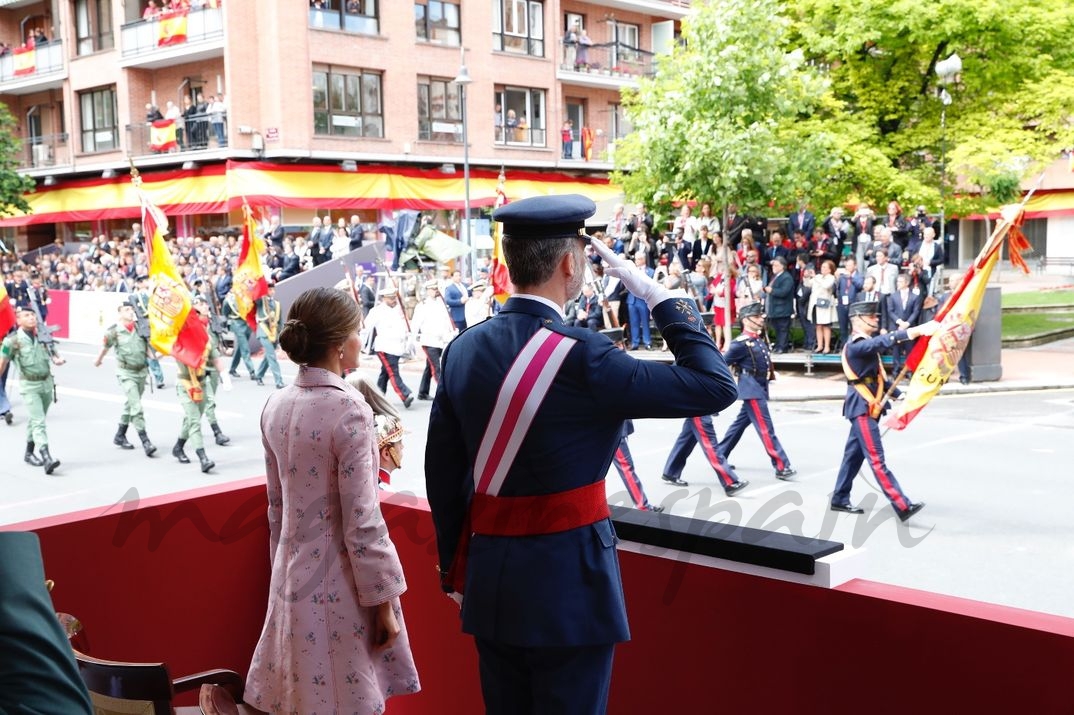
point(221, 438)
point(32, 459)
point(206, 463)
point(150, 450)
point(120, 440)
point(49, 463)
point(178, 453)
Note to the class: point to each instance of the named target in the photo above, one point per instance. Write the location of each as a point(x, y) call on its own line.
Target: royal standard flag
point(7, 311)
point(171, 28)
point(174, 328)
point(249, 284)
point(25, 60)
point(162, 135)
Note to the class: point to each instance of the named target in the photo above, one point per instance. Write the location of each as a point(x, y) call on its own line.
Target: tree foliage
point(12, 184)
point(737, 113)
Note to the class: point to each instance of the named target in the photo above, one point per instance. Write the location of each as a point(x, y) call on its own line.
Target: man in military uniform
point(386, 326)
point(33, 359)
point(241, 330)
point(132, 351)
point(268, 325)
point(700, 430)
point(434, 328)
point(140, 301)
point(194, 389)
point(534, 505)
point(748, 356)
point(865, 402)
point(214, 376)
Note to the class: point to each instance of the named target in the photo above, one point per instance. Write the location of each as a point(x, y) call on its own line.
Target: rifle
point(598, 287)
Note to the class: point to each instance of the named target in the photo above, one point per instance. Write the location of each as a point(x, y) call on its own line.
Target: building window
point(347, 103)
point(518, 26)
point(438, 22)
point(620, 124)
point(93, 26)
point(439, 110)
point(358, 16)
point(521, 112)
point(100, 131)
point(627, 43)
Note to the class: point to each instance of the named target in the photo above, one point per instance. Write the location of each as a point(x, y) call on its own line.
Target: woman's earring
point(341, 355)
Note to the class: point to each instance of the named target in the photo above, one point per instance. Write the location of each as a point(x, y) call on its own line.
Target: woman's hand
point(387, 627)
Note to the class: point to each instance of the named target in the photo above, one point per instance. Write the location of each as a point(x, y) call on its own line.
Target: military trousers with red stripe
point(864, 443)
point(699, 431)
point(624, 464)
point(389, 373)
point(755, 412)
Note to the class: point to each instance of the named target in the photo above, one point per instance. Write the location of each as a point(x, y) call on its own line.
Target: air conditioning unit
point(42, 155)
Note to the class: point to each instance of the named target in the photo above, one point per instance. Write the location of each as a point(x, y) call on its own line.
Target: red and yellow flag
point(174, 328)
point(7, 311)
point(249, 284)
point(933, 359)
point(171, 28)
point(498, 275)
point(162, 135)
point(25, 60)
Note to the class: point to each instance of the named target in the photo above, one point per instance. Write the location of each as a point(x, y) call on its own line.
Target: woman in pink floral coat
point(334, 639)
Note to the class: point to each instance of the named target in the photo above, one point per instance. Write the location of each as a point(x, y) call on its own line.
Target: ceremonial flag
point(171, 28)
point(933, 359)
point(498, 275)
point(162, 135)
point(249, 284)
point(7, 311)
point(25, 60)
point(175, 329)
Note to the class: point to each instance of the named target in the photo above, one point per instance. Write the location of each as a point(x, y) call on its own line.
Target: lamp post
point(463, 79)
point(947, 70)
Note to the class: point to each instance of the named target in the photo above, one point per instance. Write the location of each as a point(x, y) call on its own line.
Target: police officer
point(140, 300)
point(33, 359)
point(193, 387)
point(132, 368)
point(268, 324)
point(865, 402)
point(240, 328)
point(748, 356)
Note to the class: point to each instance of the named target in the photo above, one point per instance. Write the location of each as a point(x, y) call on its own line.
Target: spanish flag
point(7, 311)
point(248, 283)
point(25, 60)
point(162, 135)
point(498, 275)
point(933, 359)
point(174, 328)
point(171, 28)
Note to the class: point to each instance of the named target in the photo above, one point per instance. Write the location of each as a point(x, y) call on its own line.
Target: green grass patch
point(1049, 297)
point(1023, 325)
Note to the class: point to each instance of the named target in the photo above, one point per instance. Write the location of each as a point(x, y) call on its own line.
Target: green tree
point(12, 184)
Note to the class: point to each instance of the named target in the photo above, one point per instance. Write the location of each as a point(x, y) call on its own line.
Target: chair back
point(118, 688)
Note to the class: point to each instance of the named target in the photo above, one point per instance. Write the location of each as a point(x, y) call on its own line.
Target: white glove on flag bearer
point(632, 277)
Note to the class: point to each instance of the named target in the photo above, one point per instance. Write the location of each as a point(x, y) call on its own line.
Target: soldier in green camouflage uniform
point(194, 388)
point(34, 361)
point(212, 385)
point(132, 368)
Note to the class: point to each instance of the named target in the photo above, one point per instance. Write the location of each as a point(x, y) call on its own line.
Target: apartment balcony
point(167, 40)
point(669, 9)
point(198, 135)
point(46, 151)
point(28, 70)
point(610, 65)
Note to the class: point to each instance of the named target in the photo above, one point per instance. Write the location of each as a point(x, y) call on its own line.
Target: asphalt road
point(989, 466)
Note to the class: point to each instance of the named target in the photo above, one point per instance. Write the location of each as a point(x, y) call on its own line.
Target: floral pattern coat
point(332, 559)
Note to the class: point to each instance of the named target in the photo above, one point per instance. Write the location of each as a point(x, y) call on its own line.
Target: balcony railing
point(44, 151)
point(147, 36)
point(611, 59)
point(521, 136)
point(196, 133)
point(47, 60)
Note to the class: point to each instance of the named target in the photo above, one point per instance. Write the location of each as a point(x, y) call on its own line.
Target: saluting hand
point(632, 277)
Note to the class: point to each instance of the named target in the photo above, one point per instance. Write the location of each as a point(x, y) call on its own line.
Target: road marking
point(119, 400)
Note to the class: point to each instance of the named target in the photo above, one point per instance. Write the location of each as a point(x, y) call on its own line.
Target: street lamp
point(947, 70)
point(463, 79)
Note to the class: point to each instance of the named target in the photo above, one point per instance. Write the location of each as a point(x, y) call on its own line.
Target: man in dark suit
point(275, 233)
point(733, 224)
point(313, 240)
point(703, 245)
point(587, 312)
point(780, 303)
point(802, 221)
point(38, 672)
point(543, 597)
point(455, 297)
point(355, 234)
point(904, 308)
point(848, 282)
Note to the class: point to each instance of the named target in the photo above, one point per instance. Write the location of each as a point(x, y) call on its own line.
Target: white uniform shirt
point(432, 323)
point(390, 326)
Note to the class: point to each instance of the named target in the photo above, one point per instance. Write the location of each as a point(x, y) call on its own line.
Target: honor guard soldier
point(268, 324)
point(140, 300)
point(518, 497)
point(240, 329)
point(700, 430)
point(865, 402)
point(749, 358)
point(193, 388)
point(434, 327)
point(132, 369)
point(386, 326)
point(213, 373)
point(33, 359)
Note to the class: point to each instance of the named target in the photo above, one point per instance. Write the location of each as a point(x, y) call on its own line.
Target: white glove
point(456, 597)
point(225, 380)
point(632, 277)
point(930, 328)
